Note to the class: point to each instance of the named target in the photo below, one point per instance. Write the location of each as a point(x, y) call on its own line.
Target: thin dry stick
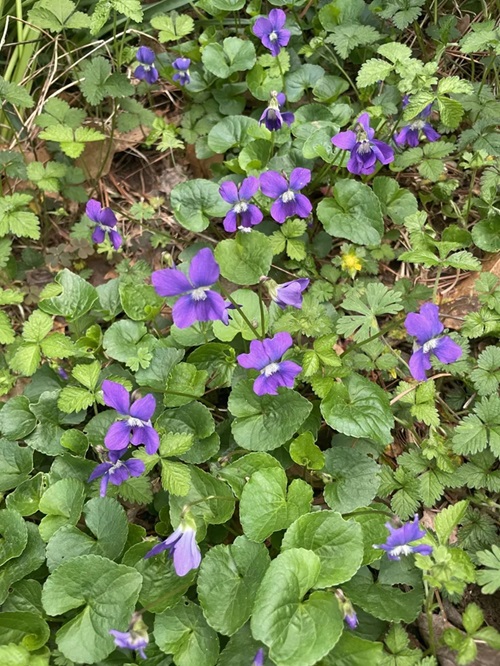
point(412, 388)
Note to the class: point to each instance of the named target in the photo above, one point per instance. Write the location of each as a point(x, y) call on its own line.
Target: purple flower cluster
point(410, 134)
point(364, 148)
point(272, 117)
point(271, 31)
point(181, 66)
point(426, 327)
point(265, 356)
point(399, 541)
point(242, 212)
point(105, 223)
point(134, 428)
point(197, 301)
point(182, 547)
point(289, 202)
point(146, 70)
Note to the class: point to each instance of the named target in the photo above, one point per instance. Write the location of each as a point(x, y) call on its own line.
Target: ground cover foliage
point(255, 421)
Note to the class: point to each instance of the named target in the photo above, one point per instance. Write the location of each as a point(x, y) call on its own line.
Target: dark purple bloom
point(105, 221)
point(259, 658)
point(399, 540)
point(62, 373)
point(272, 117)
point(182, 547)
point(426, 328)
point(265, 356)
point(146, 71)
point(136, 427)
point(289, 293)
point(350, 617)
point(271, 31)
point(289, 201)
point(246, 213)
point(365, 150)
point(136, 638)
point(181, 65)
point(410, 134)
point(116, 471)
point(197, 301)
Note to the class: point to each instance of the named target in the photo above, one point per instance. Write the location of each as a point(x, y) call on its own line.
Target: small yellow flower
point(351, 262)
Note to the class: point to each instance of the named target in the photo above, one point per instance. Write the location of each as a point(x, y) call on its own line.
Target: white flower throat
point(430, 345)
point(137, 423)
point(199, 294)
point(401, 550)
point(241, 207)
point(273, 36)
point(288, 196)
point(270, 369)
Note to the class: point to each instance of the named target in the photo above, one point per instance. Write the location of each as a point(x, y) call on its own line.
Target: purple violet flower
point(289, 201)
point(136, 638)
point(246, 213)
point(265, 356)
point(136, 427)
point(410, 134)
point(272, 117)
point(181, 65)
point(426, 328)
point(116, 471)
point(259, 658)
point(197, 301)
point(351, 619)
point(182, 547)
point(62, 373)
point(271, 31)
point(289, 293)
point(146, 71)
point(105, 221)
point(399, 540)
point(365, 150)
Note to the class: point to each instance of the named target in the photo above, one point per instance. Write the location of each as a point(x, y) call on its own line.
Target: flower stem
point(242, 314)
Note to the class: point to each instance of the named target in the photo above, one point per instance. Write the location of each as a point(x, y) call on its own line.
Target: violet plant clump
point(249, 330)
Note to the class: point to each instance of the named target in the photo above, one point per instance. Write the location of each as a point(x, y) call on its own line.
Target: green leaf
point(129, 342)
point(263, 423)
point(486, 234)
point(175, 477)
point(351, 650)
point(213, 511)
point(13, 218)
point(228, 581)
point(267, 507)
point(305, 452)
point(32, 557)
point(355, 479)
point(16, 419)
point(57, 16)
point(98, 81)
point(359, 408)
point(23, 628)
point(7, 333)
point(354, 213)
point(16, 463)
point(372, 71)
point(74, 399)
point(26, 497)
point(337, 542)
point(249, 303)
point(108, 592)
point(238, 472)
point(193, 419)
point(345, 38)
point(162, 362)
point(448, 519)
point(62, 503)
point(231, 132)
point(371, 301)
point(489, 578)
point(233, 55)
point(173, 27)
point(383, 600)
point(397, 202)
point(76, 297)
point(184, 378)
point(14, 535)
point(450, 111)
point(26, 359)
point(15, 94)
point(292, 628)
point(245, 258)
point(184, 632)
point(195, 201)
point(302, 79)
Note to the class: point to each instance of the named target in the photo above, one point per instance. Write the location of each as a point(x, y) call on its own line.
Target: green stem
point(242, 314)
point(385, 329)
point(262, 312)
point(430, 624)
